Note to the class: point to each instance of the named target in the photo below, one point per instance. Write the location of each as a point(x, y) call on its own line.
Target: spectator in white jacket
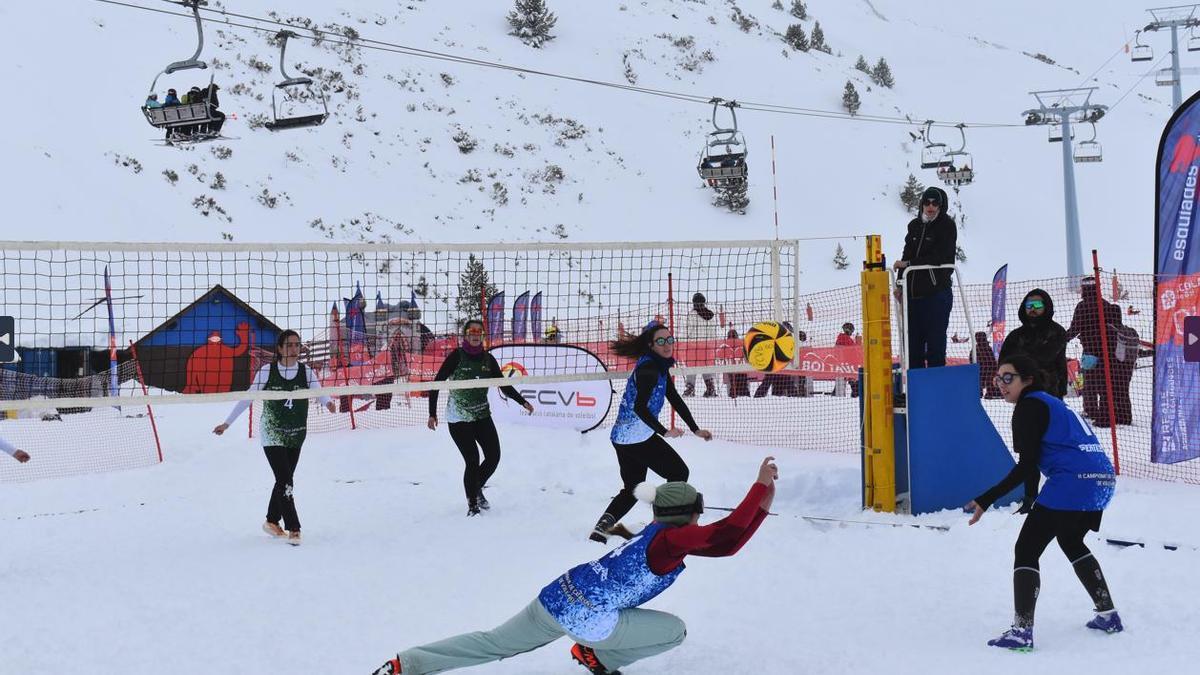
point(700, 326)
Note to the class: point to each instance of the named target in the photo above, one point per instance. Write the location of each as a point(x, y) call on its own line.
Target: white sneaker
point(273, 529)
point(293, 537)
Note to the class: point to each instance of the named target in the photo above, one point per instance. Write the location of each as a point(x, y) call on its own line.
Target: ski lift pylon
point(186, 121)
point(278, 123)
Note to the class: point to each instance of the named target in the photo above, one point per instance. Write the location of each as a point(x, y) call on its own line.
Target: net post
point(671, 321)
point(879, 444)
point(149, 410)
point(1108, 385)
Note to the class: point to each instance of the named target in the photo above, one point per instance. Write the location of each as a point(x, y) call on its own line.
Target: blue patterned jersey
point(587, 600)
point(630, 428)
point(1079, 476)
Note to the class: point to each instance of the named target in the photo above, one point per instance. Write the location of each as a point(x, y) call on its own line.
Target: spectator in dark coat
point(1124, 359)
point(1042, 338)
point(1085, 325)
point(171, 98)
point(209, 94)
point(987, 366)
point(932, 239)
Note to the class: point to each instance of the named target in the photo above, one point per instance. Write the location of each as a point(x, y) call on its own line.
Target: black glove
point(1026, 506)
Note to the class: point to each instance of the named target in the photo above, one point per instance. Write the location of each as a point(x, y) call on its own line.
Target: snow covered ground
point(165, 570)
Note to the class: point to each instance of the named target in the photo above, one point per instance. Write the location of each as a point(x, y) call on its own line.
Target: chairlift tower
point(1059, 106)
point(1180, 16)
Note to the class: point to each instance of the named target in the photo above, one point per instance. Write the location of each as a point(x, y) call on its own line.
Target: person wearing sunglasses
point(932, 239)
point(283, 429)
point(1051, 438)
point(638, 436)
point(468, 414)
point(1042, 338)
point(598, 604)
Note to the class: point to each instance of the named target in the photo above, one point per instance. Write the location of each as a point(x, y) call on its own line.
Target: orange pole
point(1112, 418)
point(150, 411)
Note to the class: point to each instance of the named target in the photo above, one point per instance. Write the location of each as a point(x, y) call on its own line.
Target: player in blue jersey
point(598, 604)
point(1050, 437)
point(637, 435)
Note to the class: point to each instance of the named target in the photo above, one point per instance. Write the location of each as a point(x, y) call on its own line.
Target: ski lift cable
point(379, 45)
point(1152, 69)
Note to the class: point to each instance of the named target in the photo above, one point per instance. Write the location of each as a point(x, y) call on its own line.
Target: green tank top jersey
point(469, 405)
point(285, 422)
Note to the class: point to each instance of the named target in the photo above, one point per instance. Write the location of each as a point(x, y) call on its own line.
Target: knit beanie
point(674, 503)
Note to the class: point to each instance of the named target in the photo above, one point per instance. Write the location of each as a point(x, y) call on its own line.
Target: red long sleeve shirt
point(722, 538)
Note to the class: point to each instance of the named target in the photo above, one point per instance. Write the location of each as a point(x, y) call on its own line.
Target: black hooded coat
point(1044, 340)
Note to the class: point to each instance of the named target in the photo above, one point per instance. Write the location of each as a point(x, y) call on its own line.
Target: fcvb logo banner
point(1175, 433)
point(581, 406)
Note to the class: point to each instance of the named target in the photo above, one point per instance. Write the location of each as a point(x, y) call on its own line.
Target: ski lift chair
point(1193, 44)
point(723, 158)
point(280, 123)
point(189, 121)
point(1056, 134)
point(933, 155)
point(1140, 52)
point(1089, 150)
point(960, 169)
point(1165, 77)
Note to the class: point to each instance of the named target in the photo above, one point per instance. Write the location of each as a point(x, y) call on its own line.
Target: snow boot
point(273, 529)
point(482, 501)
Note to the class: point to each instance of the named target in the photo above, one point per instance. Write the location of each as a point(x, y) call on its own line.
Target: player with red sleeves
point(598, 604)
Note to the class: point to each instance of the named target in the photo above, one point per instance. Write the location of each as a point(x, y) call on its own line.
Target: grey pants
point(640, 633)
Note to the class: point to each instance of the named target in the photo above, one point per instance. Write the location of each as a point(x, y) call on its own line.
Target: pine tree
point(799, 10)
point(531, 21)
point(818, 39)
point(850, 100)
point(796, 38)
point(863, 66)
point(473, 284)
point(959, 254)
point(778, 4)
point(840, 260)
point(882, 74)
point(910, 194)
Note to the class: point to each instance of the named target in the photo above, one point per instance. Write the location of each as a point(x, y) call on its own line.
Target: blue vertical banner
point(495, 319)
point(356, 326)
point(999, 296)
point(1175, 429)
point(535, 315)
point(520, 312)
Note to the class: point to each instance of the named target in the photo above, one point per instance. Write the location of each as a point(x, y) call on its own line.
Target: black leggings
point(653, 454)
point(283, 463)
point(1043, 525)
point(467, 436)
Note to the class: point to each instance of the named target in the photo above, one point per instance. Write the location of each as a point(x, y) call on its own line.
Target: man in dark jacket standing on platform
point(932, 239)
point(1040, 337)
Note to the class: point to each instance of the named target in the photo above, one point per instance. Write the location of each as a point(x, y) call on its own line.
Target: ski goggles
point(682, 509)
point(1035, 304)
point(662, 341)
point(1005, 378)
point(474, 331)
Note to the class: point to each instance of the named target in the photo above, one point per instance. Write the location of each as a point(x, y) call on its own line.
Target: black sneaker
point(472, 508)
point(482, 501)
point(600, 532)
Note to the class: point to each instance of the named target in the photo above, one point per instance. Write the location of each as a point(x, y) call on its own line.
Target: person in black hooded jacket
point(1042, 338)
point(932, 239)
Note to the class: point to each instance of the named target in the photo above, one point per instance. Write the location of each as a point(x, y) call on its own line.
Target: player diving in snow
point(598, 604)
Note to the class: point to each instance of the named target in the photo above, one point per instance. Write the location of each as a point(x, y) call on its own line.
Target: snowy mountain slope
point(554, 158)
